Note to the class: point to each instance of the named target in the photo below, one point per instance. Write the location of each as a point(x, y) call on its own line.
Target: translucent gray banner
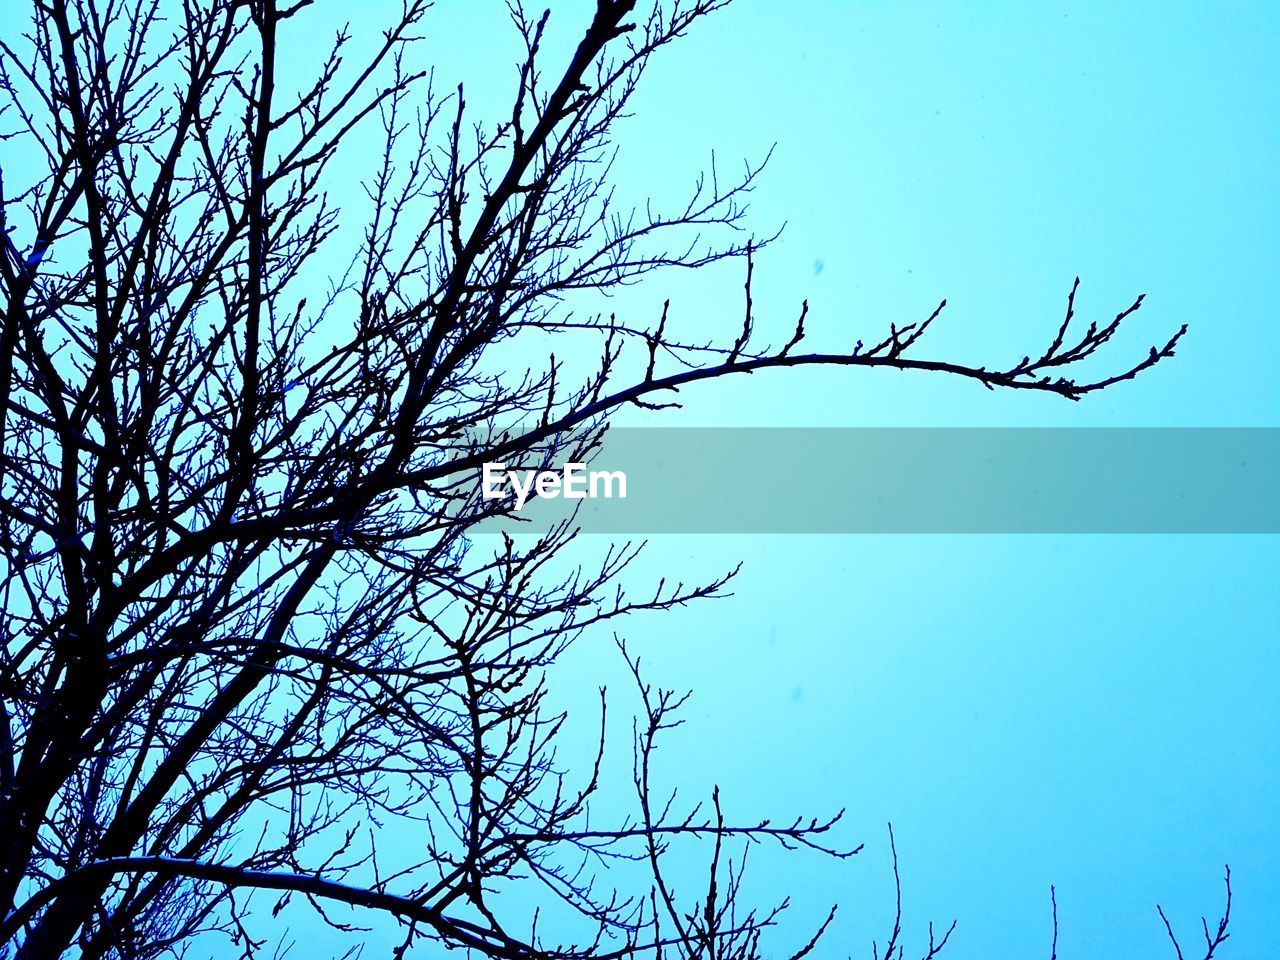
point(921, 480)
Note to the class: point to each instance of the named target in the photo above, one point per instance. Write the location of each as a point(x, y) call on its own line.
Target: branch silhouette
point(249, 641)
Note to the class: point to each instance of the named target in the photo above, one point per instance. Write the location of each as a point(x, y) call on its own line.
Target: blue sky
point(1096, 712)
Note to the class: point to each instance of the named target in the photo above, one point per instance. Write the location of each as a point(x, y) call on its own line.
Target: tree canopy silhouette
point(249, 643)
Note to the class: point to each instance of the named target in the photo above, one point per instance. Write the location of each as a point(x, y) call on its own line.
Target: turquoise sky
point(1095, 712)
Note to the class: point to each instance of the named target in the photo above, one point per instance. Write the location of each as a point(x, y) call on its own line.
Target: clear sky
point(1095, 712)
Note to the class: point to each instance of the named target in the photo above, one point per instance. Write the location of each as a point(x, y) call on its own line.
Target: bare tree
point(249, 645)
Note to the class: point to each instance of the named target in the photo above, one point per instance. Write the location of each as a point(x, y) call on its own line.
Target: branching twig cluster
point(248, 636)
